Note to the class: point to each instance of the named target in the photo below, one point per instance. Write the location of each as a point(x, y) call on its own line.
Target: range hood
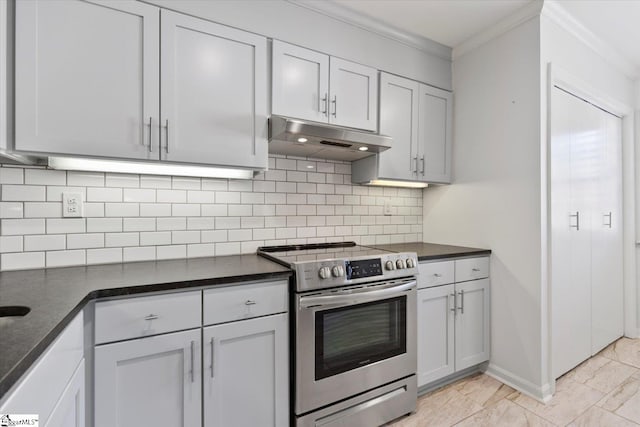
point(308, 139)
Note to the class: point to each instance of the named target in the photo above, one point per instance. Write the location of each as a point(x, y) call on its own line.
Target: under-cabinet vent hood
point(307, 139)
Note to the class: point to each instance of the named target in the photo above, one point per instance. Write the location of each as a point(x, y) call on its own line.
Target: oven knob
point(337, 271)
point(389, 265)
point(400, 264)
point(410, 263)
point(324, 272)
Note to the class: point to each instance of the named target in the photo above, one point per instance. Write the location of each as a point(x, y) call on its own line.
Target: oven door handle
point(355, 298)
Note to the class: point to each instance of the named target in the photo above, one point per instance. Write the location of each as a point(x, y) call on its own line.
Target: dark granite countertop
point(56, 295)
point(431, 251)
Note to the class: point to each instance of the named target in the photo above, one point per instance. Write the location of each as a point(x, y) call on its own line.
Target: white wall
point(563, 47)
point(495, 199)
point(287, 21)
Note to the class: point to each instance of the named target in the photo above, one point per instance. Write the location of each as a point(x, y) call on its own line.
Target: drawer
point(435, 273)
point(239, 302)
point(472, 269)
point(150, 315)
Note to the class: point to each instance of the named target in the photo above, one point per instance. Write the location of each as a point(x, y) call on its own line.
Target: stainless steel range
point(354, 337)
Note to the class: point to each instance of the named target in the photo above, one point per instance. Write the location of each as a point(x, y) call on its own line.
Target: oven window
point(357, 335)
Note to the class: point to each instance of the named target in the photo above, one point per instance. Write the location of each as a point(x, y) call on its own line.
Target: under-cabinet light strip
point(68, 163)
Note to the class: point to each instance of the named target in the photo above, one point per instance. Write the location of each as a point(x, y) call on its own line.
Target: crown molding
point(522, 15)
point(348, 16)
point(554, 11)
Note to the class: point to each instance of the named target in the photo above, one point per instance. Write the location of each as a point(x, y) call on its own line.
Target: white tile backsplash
point(132, 217)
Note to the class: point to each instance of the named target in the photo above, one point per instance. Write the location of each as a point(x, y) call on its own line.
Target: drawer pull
point(212, 357)
point(250, 302)
point(477, 270)
point(437, 275)
point(193, 365)
point(152, 317)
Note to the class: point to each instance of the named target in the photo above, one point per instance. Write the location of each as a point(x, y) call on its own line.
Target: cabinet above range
point(313, 86)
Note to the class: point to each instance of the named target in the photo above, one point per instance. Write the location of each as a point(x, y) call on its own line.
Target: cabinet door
point(246, 373)
point(435, 135)
point(472, 323)
point(214, 93)
point(69, 411)
point(399, 100)
point(436, 318)
point(353, 98)
point(300, 83)
point(87, 78)
point(153, 381)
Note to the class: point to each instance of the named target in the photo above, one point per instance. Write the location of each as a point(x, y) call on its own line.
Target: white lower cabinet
point(53, 388)
point(70, 409)
point(435, 333)
point(232, 372)
point(149, 382)
point(246, 373)
point(453, 328)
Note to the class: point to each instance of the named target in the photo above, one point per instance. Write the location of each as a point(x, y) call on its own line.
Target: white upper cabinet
point(300, 83)
point(214, 93)
point(127, 80)
point(353, 95)
point(399, 103)
point(435, 134)
point(418, 118)
point(313, 86)
point(87, 78)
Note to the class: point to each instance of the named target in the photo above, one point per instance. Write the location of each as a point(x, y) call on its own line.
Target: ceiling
point(452, 22)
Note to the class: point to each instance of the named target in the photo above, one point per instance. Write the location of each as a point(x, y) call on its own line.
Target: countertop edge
point(12, 377)
point(479, 252)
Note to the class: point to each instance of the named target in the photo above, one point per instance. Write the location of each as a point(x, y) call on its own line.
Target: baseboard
point(632, 333)
point(450, 379)
point(539, 393)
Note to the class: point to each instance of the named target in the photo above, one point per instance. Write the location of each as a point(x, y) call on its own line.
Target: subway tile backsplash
point(139, 218)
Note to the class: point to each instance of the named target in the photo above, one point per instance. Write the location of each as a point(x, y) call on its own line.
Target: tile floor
point(604, 391)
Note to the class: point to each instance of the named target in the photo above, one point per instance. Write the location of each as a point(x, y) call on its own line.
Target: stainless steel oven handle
point(325, 300)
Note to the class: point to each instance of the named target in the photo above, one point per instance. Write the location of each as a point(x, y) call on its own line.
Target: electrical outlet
point(72, 206)
point(388, 209)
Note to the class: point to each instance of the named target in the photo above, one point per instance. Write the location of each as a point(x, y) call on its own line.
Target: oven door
point(352, 340)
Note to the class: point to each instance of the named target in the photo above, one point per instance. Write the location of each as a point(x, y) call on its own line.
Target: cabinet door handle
point(454, 303)
point(461, 308)
point(250, 302)
point(212, 356)
point(422, 162)
point(151, 317)
point(608, 224)
point(335, 106)
point(166, 127)
point(193, 353)
point(415, 159)
point(150, 127)
point(326, 103)
point(577, 217)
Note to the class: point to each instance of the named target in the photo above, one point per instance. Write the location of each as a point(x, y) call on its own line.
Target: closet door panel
point(607, 253)
point(570, 241)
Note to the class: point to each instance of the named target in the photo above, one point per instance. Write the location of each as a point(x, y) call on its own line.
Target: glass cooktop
point(293, 254)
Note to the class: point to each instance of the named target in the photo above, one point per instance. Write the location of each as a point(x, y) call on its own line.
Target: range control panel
point(338, 272)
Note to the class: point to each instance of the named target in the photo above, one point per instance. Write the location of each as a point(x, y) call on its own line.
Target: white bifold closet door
point(586, 230)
